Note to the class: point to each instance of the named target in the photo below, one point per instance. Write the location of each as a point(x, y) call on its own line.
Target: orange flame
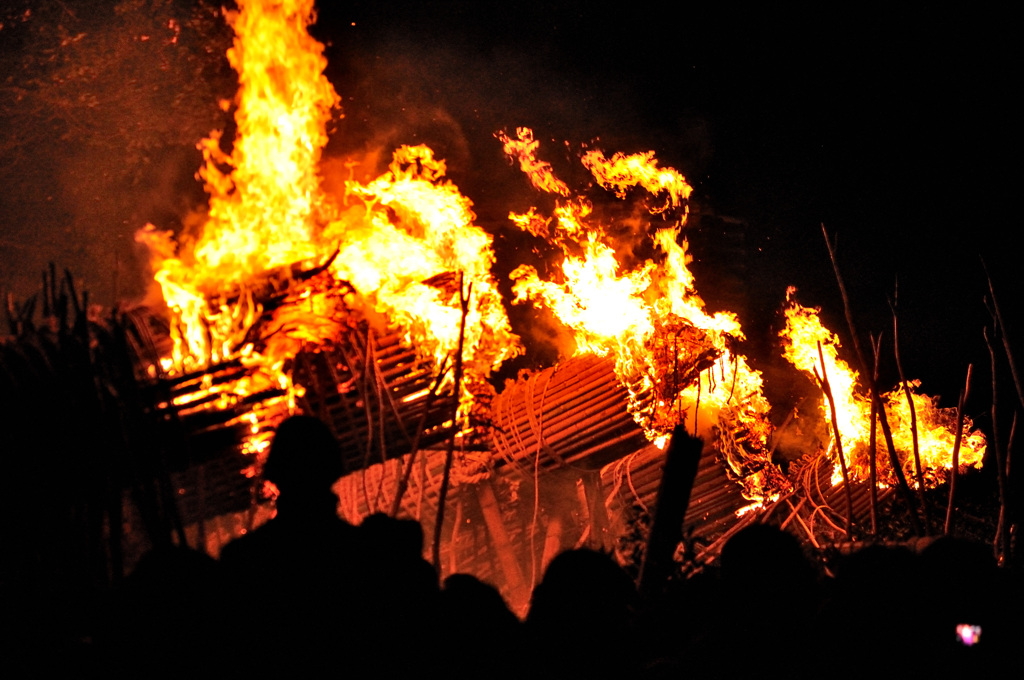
point(540, 173)
point(394, 246)
point(649, 318)
point(936, 427)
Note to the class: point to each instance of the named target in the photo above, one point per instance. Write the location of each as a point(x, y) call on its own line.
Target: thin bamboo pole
point(873, 444)
point(998, 322)
point(464, 296)
point(897, 468)
point(827, 389)
point(403, 482)
point(1002, 539)
point(955, 469)
point(918, 472)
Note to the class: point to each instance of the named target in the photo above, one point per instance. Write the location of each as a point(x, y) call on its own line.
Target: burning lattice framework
point(287, 299)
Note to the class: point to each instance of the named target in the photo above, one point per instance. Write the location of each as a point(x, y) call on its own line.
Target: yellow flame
point(936, 427)
point(540, 173)
point(650, 317)
point(398, 244)
point(623, 171)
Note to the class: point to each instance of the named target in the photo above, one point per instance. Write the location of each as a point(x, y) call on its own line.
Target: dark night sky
point(891, 126)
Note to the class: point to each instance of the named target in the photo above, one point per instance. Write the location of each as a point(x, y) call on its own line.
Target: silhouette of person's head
point(761, 554)
point(304, 458)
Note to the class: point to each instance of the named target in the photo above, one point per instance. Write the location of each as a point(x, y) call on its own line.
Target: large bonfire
point(384, 244)
point(404, 247)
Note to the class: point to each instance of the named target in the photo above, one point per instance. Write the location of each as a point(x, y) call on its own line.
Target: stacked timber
point(376, 393)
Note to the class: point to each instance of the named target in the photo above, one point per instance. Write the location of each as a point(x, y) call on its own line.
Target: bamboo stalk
point(1002, 539)
point(807, 529)
point(450, 453)
point(918, 472)
point(846, 300)
point(955, 469)
point(380, 413)
point(583, 405)
point(563, 426)
point(566, 397)
point(708, 512)
point(998, 321)
point(827, 389)
point(873, 444)
point(715, 548)
point(403, 482)
point(897, 468)
point(369, 418)
point(794, 510)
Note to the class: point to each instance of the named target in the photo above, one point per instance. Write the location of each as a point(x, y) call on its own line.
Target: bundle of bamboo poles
point(570, 414)
point(817, 508)
point(631, 483)
point(469, 543)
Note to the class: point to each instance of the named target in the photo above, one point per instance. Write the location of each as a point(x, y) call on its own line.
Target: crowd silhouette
point(308, 594)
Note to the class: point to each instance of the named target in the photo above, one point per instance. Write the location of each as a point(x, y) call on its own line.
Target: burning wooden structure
point(556, 461)
point(345, 306)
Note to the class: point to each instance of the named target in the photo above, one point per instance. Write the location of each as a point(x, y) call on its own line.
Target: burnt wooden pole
point(954, 470)
point(677, 479)
point(826, 387)
point(450, 453)
point(877, 404)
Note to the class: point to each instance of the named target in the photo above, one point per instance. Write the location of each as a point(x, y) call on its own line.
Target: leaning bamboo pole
point(873, 442)
point(997, 318)
point(875, 398)
point(464, 296)
point(1002, 538)
point(954, 471)
point(916, 447)
point(827, 389)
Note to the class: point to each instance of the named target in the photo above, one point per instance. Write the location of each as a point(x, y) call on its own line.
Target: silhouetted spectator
point(167, 618)
point(874, 608)
point(581, 617)
point(489, 636)
point(296, 578)
point(766, 601)
point(402, 614)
